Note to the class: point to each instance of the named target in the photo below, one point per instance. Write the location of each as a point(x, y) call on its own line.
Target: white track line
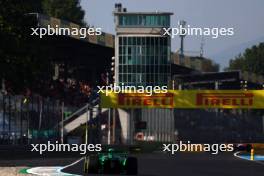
point(237, 155)
point(70, 165)
point(52, 171)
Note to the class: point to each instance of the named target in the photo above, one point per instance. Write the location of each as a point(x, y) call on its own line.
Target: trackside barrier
point(258, 146)
point(186, 99)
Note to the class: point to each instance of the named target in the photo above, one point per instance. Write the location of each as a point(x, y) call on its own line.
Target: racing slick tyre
point(132, 166)
point(112, 167)
point(92, 164)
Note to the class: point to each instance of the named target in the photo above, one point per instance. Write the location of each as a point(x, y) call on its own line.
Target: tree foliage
point(64, 9)
point(20, 60)
point(16, 62)
point(209, 66)
point(252, 60)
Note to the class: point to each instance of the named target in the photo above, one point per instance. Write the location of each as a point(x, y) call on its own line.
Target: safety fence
point(28, 118)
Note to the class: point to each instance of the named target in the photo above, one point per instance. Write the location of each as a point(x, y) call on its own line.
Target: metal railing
point(27, 118)
point(80, 111)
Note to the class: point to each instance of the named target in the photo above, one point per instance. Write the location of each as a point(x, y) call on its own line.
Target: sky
point(245, 16)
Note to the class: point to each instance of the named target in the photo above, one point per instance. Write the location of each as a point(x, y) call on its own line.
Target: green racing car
point(111, 162)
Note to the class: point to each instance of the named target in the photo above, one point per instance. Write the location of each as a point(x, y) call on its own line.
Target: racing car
point(111, 162)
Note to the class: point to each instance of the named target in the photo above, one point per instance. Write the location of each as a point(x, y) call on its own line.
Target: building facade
point(143, 58)
point(142, 52)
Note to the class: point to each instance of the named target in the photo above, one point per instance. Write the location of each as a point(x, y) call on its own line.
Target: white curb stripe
point(237, 155)
point(52, 171)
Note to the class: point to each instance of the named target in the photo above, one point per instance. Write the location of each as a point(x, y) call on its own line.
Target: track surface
point(158, 164)
point(190, 164)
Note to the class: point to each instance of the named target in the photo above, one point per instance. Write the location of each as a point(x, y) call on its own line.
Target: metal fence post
point(62, 123)
point(86, 124)
point(4, 113)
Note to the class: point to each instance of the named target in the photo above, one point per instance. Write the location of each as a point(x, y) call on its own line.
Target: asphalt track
point(159, 164)
point(190, 164)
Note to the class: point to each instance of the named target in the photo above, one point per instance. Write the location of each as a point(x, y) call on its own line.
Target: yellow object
point(252, 154)
point(227, 99)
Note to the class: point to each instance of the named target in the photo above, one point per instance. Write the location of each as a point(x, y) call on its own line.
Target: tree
point(252, 60)
point(69, 10)
point(15, 60)
point(210, 66)
point(20, 60)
